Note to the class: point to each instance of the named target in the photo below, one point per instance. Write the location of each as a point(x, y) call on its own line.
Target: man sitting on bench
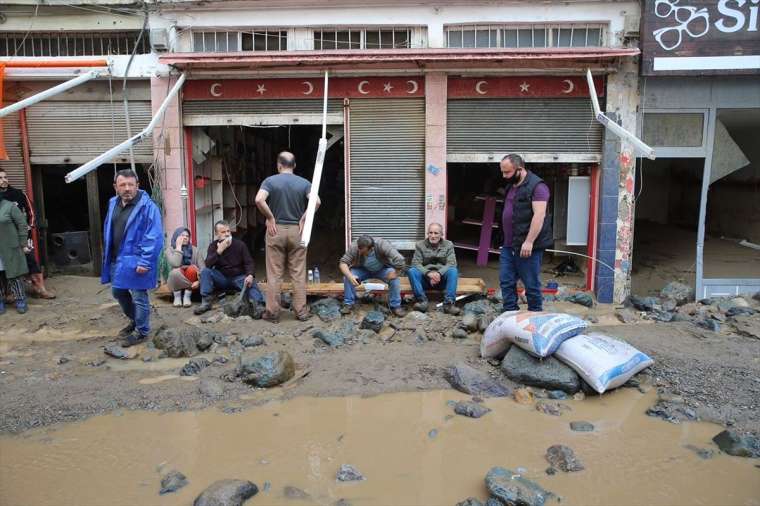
point(434, 266)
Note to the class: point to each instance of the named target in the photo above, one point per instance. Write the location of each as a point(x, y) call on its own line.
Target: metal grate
point(362, 38)
point(522, 126)
point(72, 43)
point(192, 108)
point(14, 165)
point(77, 132)
point(387, 180)
point(528, 35)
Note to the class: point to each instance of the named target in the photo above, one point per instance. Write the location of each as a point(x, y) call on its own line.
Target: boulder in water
point(548, 373)
point(471, 381)
point(172, 482)
point(227, 493)
point(512, 489)
point(267, 370)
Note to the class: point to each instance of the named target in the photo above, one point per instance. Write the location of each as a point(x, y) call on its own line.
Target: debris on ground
point(511, 488)
point(373, 321)
point(552, 408)
point(581, 426)
point(330, 338)
point(195, 366)
point(470, 409)
point(327, 309)
point(116, 351)
point(581, 298)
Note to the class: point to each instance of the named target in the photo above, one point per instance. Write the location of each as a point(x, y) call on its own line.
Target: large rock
point(737, 445)
point(266, 370)
point(643, 303)
point(678, 292)
point(226, 493)
point(480, 307)
point(327, 309)
point(471, 381)
point(469, 322)
point(514, 490)
point(470, 409)
point(177, 343)
point(548, 373)
point(332, 339)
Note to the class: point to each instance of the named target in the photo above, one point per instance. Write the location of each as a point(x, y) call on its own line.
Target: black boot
point(204, 307)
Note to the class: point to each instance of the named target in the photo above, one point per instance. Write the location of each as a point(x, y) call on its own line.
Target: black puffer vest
point(522, 214)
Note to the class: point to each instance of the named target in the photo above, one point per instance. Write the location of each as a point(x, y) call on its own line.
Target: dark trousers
point(513, 267)
point(212, 280)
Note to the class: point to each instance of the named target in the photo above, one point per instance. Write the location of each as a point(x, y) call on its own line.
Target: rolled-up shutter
point(14, 166)
point(77, 132)
point(260, 112)
point(546, 130)
point(387, 180)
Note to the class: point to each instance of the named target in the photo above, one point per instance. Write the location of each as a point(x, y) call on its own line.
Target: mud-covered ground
point(53, 368)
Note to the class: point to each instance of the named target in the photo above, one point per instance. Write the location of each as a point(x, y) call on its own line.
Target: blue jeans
point(349, 292)
point(421, 282)
point(212, 281)
point(513, 267)
point(135, 304)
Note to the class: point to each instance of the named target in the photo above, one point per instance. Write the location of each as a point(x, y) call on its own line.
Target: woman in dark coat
point(13, 268)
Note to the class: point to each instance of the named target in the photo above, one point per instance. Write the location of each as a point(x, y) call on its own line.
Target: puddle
point(630, 459)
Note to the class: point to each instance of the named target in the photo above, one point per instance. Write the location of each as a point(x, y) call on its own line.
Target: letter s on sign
point(724, 9)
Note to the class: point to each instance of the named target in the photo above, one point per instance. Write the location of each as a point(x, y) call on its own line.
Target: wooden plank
point(485, 231)
point(93, 208)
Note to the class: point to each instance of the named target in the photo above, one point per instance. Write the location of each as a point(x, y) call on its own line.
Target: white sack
point(603, 362)
point(538, 333)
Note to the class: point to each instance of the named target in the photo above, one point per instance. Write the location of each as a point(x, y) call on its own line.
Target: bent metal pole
point(311, 207)
point(116, 150)
point(55, 90)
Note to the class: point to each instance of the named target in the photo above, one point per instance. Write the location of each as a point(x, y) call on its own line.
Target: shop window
point(673, 129)
point(232, 41)
point(364, 38)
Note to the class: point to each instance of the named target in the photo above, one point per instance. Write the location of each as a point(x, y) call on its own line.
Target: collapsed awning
point(483, 58)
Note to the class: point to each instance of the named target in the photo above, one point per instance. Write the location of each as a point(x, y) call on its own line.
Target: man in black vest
point(527, 233)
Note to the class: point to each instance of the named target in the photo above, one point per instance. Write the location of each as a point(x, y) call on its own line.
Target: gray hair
point(515, 160)
point(437, 225)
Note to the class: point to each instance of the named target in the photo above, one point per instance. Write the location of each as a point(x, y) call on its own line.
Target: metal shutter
point(77, 132)
point(14, 166)
point(387, 183)
point(539, 129)
point(260, 112)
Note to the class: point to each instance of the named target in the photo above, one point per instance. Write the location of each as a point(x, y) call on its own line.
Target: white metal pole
point(613, 127)
point(311, 208)
point(111, 153)
point(55, 90)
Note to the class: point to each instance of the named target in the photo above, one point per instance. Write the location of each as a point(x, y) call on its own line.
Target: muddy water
point(630, 458)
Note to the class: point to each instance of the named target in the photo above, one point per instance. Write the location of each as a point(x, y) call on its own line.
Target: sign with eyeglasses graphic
point(701, 37)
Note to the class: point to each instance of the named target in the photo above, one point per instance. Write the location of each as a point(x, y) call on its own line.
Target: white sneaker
point(178, 298)
point(186, 300)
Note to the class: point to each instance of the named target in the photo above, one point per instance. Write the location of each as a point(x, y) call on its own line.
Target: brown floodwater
point(630, 459)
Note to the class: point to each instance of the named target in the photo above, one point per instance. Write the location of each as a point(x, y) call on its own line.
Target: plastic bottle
point(316, 275)
point(311, 276)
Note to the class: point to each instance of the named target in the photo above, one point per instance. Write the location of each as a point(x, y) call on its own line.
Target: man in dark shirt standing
point(228, 265)
point(527, 233)
point(282, 199)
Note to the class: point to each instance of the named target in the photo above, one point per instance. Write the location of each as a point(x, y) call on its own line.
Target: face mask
point(514, 179)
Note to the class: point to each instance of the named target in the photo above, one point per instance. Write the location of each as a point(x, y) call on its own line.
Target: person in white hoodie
point(186, 262)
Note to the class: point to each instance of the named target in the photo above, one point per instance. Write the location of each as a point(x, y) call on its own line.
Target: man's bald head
point(286, 161)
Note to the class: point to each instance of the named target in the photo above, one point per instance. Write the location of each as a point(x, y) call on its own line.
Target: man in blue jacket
point(133, 236)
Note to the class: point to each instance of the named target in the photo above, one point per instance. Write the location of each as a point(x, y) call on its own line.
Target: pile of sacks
point(601, 361)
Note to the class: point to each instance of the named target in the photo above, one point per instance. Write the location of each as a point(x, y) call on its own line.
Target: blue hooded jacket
point(141, 246)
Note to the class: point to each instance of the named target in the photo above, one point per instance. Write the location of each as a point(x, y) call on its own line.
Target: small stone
point(740, 302)
point(63, 360)
point(251, 341)
point(373, 321)
point(740, 311)
point(551, 408)
point(226, 493)
point(470, 409)
point(433, 433)
point(459, 333)
point(678, 292)
point(214, 317)
point(470, 501)
point(709, 324)
point(221, 359)
point(551, 471)
point(523, 396)
point(172, 482)
point(626, 316)
point(116, 351)
point(204, 341)
point(295, 493)
point(563, 458)
point(342, 502)
point(348, 472)
point(702, 453)
point(581, 426)
point(195, 366)
point(267, 485)
point(558, 395)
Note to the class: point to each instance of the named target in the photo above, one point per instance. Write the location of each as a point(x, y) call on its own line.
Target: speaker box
point(70, 248)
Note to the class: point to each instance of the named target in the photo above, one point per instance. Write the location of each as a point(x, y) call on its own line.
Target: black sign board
point(702, 37)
